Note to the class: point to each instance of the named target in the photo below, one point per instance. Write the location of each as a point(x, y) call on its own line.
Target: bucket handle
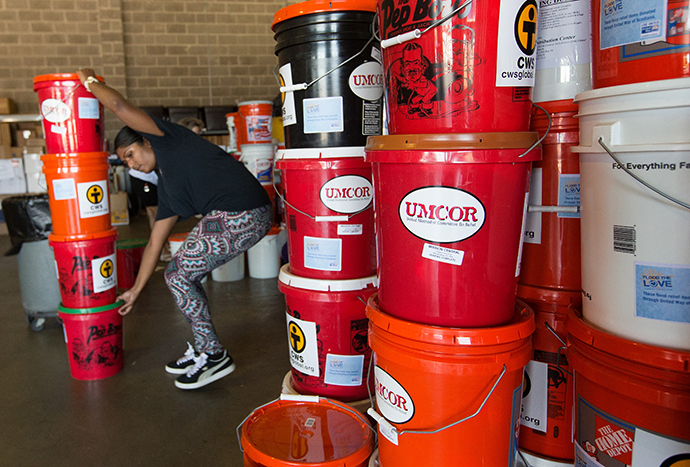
point(62, 101)
point(564, 346)
point(629, 172)
point(391, 433)
point(301, 398)
point(548, 129)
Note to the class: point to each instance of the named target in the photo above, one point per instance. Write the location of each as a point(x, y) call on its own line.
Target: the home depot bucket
point(327, 334)
point(78, 192)
point(255, 122)
point(129, 254)
point(473, 72)
point(307, 432)
point(94, 340)
point(448, 396)
point(551, 253)
point(258, 159)
point(635, 253)
point(86, 268)
point(263, 258)
point(73, 119)
point(328, 198)
point(547, 401)
point(330, 73)
point(449, 219)
point(632, 400)
point(635, 42)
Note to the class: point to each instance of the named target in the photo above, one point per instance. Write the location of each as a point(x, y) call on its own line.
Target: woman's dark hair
point(126, 137)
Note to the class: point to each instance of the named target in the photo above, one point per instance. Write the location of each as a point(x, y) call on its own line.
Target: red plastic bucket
point(129, 254)
point(547, 404)
point(306, 433)
point(627, 391)
point(449, 219)
point(86, 269)
point(94, 340)
point(327, 334)
point(551, 254)
point(450, 396)
point(648, 58)
point(255, 122)
point(78, 192)
point(73, 118)
point(328, 199)
point(472, 73)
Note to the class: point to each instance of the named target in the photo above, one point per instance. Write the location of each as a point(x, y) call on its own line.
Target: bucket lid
point(254, 103)
point(319, 6)
point(558, 300)
point(291, 433)
point(562, 106)
point(80, 237)
point(87, 311)
point(61, 77)
point(521, 326)
point(275, 230)
point(635, 88)
point(320, 153)
point(324, 285)
point(178, 237)
point(452, 148)
point(127, 243)
point(637, 352)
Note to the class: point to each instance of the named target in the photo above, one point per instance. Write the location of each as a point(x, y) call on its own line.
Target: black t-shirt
point(196, 177)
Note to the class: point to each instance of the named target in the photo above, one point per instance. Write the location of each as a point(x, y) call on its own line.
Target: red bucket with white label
point(73, 119)
point(473, 72)
point(449, 219)
point(94, 338)
point(330, 73)
point(255, 122)
point(328, 204)
point(547, 401)
point(327, 334)
point(86, 268)
point(448, 396)
point(632, 400)
point(78, 192)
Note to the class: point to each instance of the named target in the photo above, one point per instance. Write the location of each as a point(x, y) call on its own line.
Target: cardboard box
point(12, 178)
point(10, 152)
point(7, 106)
point(119, 208)
point(5, 134)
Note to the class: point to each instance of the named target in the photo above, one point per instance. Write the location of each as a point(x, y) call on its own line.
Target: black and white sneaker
point(182, 364)
point(205, 371)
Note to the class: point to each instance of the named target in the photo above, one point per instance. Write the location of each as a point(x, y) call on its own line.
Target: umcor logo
point(346, 194)
point(366, 81)
point(442, 214)
point(391, 398)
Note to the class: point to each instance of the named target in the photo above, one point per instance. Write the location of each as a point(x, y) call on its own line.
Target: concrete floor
point(137, 417)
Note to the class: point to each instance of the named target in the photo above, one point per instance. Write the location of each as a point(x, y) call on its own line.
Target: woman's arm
point(159, 235)
point(128, 113)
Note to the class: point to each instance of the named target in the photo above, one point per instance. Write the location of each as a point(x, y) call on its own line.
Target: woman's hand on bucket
point(85, 73)
point(129, 297)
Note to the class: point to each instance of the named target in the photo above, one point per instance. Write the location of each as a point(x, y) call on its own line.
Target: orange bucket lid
point(61, 77)
point(178, 237)
point(303, 433)
point(79, 237)
point(319, 6)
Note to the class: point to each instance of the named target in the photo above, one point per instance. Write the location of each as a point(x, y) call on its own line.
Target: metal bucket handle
point(391, 433)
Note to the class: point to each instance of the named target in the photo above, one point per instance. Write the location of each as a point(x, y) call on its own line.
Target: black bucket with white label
point(330, 73)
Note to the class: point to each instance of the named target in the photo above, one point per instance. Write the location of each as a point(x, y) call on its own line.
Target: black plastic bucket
point(343, 107)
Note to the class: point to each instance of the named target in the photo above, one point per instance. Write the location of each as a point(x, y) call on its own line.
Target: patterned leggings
point(218, 237)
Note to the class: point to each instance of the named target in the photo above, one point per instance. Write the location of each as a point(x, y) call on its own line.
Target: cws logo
point(391, 398)
point(94, 194)
point(517, 43)
point(302, 340)
point(442, 214)
point(347, 194)
point(103, 273)
point(366, 81)
point(526, 28)
point(653, 279)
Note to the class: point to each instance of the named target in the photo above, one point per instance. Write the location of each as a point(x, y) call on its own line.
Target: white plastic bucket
point(635, 248)
point(264, 257)
point(231, 271)
point(258, 158)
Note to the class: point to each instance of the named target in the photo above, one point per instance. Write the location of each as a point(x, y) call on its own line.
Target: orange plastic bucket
point(307, 432)
point(632, 400)
point(547, 403)
point(78, 192)
point(448, 396)
point(551, 250)
point(255, 122)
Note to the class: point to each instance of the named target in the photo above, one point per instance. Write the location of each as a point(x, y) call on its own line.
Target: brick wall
point(155, 52)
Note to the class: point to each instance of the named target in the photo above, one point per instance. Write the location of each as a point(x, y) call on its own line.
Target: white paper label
point(344, 370)
point(289, 114)
point(323, 115)
point(93, 199)
point(350, 229)
point(535, 396)
point(304, 346)
point(55, 111)
point(88, 108)
point(392, 399)
point(58, 130)
point(563, 35)
point(347, 194)
point(324, 254)
point(517, 43)
point(442, 254)
point(64, 188)
point(533, 221)
point(366, 81)
point(104, 273)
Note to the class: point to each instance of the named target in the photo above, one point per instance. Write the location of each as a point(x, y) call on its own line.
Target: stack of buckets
point(331, 84)
point(629, 348)
point(450, 342)
point(83, 240)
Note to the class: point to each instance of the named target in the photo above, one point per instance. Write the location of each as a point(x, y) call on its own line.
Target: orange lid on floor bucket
point(303, 433)
point(319, 6)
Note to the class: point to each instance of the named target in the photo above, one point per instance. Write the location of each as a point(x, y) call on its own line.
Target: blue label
point(344, 370)
point(324, 254)
point(629, 21)
point(662, 292)
point(569, 193)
